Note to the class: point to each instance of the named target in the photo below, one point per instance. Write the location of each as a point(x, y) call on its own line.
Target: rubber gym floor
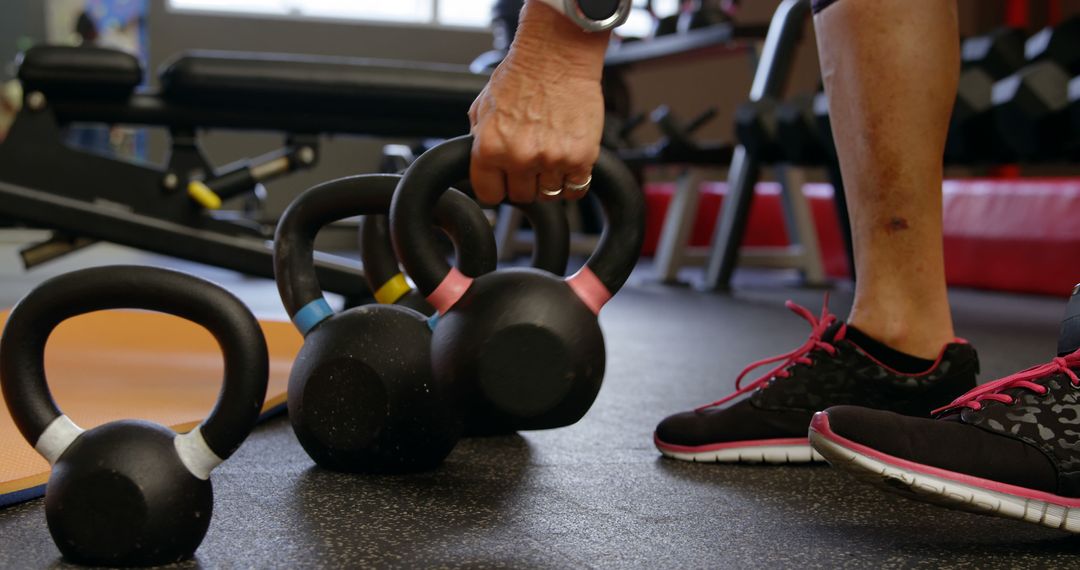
point(597, 494)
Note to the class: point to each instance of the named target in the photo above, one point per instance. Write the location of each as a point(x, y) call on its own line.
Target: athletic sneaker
point(1010, 448)
point(827, 370)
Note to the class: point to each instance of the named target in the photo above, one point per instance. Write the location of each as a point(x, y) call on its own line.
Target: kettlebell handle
point(551, 249)
point(22, 353)
point(605, 272)
point(368, 194)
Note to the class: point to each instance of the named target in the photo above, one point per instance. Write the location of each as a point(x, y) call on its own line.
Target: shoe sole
point(772, 451)
point(940, 487)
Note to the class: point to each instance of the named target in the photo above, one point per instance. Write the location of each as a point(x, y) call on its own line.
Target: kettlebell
point(131, 493)
point(551, 252)
point(523, 343)
point(361, 396)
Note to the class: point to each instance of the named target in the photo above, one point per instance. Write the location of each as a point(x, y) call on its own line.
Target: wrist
point(546, 35)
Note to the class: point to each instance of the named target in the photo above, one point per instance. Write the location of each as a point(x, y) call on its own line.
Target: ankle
point(922, 338)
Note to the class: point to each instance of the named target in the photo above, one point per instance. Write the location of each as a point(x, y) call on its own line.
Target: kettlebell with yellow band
point(361, 394)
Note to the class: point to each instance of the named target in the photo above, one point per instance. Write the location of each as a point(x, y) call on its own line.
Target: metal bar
point(678, 223)
point(770, 79)
point(244, 254)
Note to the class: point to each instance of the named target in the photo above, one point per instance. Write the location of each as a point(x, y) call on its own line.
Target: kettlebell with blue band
point(361, 395)
point(524, 344)
point(131, 493)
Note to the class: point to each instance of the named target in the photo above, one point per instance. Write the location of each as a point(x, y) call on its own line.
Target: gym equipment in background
point(522, 344)
point(170, 210)
point(131, 493)
point(551, 251)
point(362, 397)
point(1031, 106)
point(985, 59)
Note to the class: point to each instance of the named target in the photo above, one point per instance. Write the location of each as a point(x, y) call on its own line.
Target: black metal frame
point(770, 80)
point(83, 196)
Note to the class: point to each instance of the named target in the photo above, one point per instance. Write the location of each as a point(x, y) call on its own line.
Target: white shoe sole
point(750, 452)
point(947, 492)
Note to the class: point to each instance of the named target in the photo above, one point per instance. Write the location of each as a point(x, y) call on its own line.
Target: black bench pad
point(305, 84)
point(79, 72)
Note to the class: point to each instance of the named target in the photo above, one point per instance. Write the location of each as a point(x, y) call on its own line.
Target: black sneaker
point(827, 370)
point(1010, 448)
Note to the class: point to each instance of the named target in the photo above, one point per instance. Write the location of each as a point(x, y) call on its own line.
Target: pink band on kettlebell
point(589, 289)
point(449, 292)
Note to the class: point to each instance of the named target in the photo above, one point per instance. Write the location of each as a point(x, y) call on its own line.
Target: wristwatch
point(593, 15)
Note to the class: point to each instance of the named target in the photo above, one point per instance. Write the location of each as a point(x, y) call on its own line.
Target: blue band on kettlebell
point(432, 321)
point(312, 314)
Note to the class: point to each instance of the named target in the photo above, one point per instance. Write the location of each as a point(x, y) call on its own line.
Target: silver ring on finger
point(551, 192)
point(576, 188)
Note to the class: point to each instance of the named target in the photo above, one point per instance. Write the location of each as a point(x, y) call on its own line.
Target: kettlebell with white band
point(361, 395)
point(524, 344)
point(551, 252)
point(131, 493)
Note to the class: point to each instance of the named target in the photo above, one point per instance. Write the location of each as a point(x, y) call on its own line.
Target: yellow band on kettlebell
point(202, 194)
point(392, 290)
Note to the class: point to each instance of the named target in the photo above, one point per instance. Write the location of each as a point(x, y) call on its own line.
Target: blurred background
point(692, 80)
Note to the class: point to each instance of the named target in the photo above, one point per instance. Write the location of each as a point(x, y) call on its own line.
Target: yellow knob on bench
point(202, 194)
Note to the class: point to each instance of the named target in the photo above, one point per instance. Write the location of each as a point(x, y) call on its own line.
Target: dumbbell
point(702, 14)
point(797, 131)
point(1031, 105)
point(985, 59)
point(803, 135)
point(618, 131)
point(678, 135)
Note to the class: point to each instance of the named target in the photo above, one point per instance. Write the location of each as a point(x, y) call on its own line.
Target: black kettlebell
point(361, 395)
point(551, 252)
point(523, 342)
point(131, 493)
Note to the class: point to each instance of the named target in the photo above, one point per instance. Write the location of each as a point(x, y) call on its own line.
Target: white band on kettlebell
point(195, 454)
point(56, 438)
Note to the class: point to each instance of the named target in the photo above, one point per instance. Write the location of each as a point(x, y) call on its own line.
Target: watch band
point(593, 15)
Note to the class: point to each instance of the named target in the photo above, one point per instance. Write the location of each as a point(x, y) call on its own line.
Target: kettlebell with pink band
point(550, 253)
point(520, 343)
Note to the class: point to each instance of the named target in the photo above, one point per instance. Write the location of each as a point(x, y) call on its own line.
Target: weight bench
point(173, 209)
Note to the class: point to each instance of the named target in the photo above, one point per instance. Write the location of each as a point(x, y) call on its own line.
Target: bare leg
point(890, 69)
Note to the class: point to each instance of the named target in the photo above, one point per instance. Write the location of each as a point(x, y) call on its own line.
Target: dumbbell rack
point(674, 253)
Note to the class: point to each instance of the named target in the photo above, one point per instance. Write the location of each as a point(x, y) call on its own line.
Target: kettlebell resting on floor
point(131, 493)
point(523, 344)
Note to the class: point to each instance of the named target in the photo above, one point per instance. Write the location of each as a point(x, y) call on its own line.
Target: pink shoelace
point(798, 356)
point(1023, 379)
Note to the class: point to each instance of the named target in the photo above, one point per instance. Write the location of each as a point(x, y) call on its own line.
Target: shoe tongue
point(1069, 338)
point(830, 333)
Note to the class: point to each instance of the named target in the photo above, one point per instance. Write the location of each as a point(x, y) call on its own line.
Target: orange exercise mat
point(114, 365)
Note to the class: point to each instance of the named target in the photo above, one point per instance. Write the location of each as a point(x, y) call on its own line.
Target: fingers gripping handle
point(434, 172)
point(22, 351)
